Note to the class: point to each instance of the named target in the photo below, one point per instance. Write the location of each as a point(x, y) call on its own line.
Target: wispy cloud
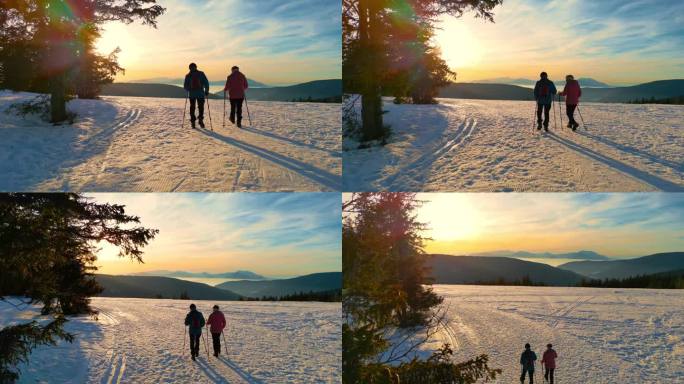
point(274, 41)
point(270, 233)
point(611, 40)
point(628, 224)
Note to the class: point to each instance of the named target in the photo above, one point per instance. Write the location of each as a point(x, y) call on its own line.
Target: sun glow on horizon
point(459, 46)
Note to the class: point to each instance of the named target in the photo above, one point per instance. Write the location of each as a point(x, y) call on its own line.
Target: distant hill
point(314, 282)
point(247, 275)
point(584, 82)
point(153, 286)
point(662, 280)
point(319, 89)
point(579, 255)
point(179, 82)
point(448, 269)
point(659, 262)
point(662, 89)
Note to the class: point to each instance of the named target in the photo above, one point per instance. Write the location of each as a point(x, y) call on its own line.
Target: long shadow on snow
point(327, 179)
point(663, 185)
point(631, 150)
point(291, 141)
point(245, 375)
point(212, 374)
point(67, 149)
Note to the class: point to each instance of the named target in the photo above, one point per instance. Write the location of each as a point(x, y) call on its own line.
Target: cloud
point(296, 232)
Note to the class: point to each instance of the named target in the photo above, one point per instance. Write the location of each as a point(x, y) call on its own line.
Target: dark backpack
point(195, 82)
point(544, 90)
point(195, 322)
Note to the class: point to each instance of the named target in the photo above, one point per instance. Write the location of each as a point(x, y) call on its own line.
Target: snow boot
point(575, 126)
point(539, 125)
point(193, 358)
point(239, 123)
point(232, 119)
point(192, 124)
point(201, 123)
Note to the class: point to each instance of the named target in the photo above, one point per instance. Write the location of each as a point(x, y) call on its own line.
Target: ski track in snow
point(141, 341)
point(137, 144)
point(601, 335)
point(492, 145)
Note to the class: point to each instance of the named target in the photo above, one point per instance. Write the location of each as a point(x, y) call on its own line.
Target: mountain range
point(579, 255)
point(319, 89)
point(315, 282)
point(447, 269)
point(661, 89)
point(646, 265)
point(584, 82)
point(179, 82)
point(246, 275)
point(157, 286)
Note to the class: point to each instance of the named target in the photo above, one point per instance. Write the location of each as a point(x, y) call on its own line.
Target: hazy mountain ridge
point(248, 275)
point(579, 255)
point(661, 89)
point(154, 286)
point(180, 80)
point(651, 264)
point(447, 269)
point(318, 89)
point(584, 81)
point(314, 282)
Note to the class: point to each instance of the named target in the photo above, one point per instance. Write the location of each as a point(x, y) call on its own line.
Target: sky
point(619, 225)
point(615, 41)
point(273, 41)
point(272, 234)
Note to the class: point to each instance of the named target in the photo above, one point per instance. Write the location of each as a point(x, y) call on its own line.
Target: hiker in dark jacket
point(195, 322)
point(527, 360)
point(572, 93)
point(236, 84)
point(549, 362)
point(197, 86)
point(544, 91)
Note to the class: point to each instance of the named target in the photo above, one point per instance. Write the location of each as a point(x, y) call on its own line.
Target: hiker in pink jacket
point(236, 84)
point(572, 93)
point(549, 362)
point(216, 323)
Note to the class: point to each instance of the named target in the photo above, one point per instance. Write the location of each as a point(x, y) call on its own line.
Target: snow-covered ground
point(141, 341)
point(490, 145)
point(601, 335)
point(136, 144)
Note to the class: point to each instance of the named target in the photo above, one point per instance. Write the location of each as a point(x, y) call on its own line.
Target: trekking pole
point(211, 125)
point(206, 347)
point(560, 111)
point(555, 121)
point(248, 115)
point(225, 344)
point(185, 330)
point(580, 113)
point(224, 108)
point(184, 108)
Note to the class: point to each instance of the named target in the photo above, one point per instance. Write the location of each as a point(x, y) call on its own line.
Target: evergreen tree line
point(48, 245)
point(524, 281)
point(48, 46)
point(386, 288)
point(330, 99)
point(386, 50)
point(665, 280)
point(678, 100)
point(333, 295)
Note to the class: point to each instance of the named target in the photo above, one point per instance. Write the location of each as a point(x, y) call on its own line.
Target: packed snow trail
point(141, 340)
point(601, 335)
point(492, 145)
point(137, 144)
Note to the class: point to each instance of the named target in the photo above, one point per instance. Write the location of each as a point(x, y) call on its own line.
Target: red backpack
point(195, 83)
point(544, 90)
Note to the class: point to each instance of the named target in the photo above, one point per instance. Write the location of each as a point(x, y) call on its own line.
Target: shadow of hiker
point(245, 375)
point(645, 177)
point(295, 142)
point(211, 373)
point(325, 178)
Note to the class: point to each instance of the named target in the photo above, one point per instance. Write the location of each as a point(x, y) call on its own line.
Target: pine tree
point(48, 245)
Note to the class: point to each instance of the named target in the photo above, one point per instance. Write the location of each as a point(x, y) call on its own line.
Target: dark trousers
point(546, 108)
point(200, 105)
point(570, 111)
point(531, 372)
point(194, 344)
point(216, 338)
point(548, 375)
point(236, 108)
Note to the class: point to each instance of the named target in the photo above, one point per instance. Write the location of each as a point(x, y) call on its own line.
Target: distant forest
point(664, 280)
point(333, 295)
point(331, 99)
point(678, 100)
